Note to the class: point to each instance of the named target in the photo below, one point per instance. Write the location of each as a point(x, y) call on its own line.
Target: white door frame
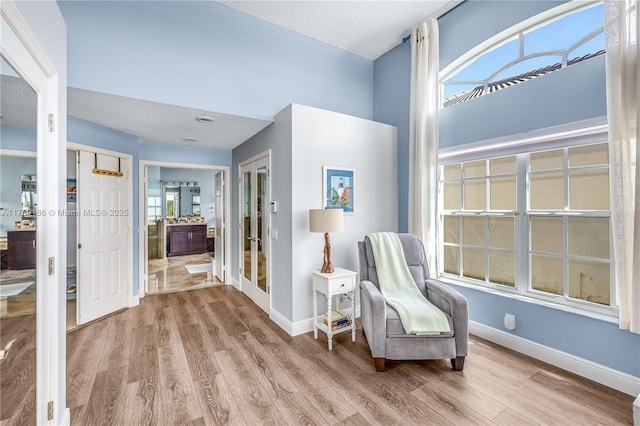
point(143, 250)
point(20, 48)
point(132, 299)
point(264, 155)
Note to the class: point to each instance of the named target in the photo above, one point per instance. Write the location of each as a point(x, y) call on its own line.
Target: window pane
point(475, 169)
point(490, 62)
point(589, 236)
point(451, 90)
point(547, 160)
point(502, 268)
point(473, 263)
point(594, 45)
point(475, 195)
point(546, 234)
point(473, 230)
point(546, 274)
point(564, 32)
point(452, 171)
point(547, 191)
point(503, 193)
point(590, 155)
point(452, 260)
point(527, 66)
point(452, 198)
point(589, 189)
point(452, 229)
point(502, 165)
point(589, 281)
point(501, 234)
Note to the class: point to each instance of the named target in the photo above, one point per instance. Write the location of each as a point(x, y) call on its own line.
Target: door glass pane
point(473, 263)
point(589, 189)
point(546, 274)
point(262, 228)
point(18, 176)
point(546, 234)
point(502, 268)
point(589, 236)
point(246, 205)
point(547, 191)
point(475, 196)
point(589, 281)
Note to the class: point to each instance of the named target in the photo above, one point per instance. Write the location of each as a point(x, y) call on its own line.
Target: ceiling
point(366, 28)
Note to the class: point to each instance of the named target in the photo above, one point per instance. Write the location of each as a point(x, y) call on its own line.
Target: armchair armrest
point(373, 313)
point(455, 304)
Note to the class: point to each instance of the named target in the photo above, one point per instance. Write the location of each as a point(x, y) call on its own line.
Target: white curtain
point(623, 76)
point(423, 138)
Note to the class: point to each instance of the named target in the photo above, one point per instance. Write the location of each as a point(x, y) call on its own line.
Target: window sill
point(609, 318)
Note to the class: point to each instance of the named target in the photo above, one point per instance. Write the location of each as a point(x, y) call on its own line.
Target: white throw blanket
point(418, 315)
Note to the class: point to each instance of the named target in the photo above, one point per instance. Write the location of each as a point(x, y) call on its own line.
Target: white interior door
point(102, 235)
point(219, 239)
point(255, 232)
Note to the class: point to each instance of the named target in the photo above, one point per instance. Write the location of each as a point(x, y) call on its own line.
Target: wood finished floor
point(210, 356)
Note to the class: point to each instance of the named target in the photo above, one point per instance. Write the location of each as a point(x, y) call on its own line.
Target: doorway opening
point(182, 227)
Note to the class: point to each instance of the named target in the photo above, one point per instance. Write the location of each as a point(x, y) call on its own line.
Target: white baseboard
point(299, 327)
point(66, 417)
point(135, 301)
point(636, 411)
point(235, 283)
point(600, 373)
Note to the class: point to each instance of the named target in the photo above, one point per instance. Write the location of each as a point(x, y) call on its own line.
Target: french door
point(254, 234)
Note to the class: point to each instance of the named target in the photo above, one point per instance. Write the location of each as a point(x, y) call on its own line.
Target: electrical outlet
point(345, 298)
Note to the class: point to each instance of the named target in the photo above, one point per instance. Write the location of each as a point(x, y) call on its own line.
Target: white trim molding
point(299, 327)
point(602, 374)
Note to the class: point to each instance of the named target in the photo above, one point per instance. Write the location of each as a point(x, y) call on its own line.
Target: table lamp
point(326, 220)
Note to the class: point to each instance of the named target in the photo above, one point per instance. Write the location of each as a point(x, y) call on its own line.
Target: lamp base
point(327, 267)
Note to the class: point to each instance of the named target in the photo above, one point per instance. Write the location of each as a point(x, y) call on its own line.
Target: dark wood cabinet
point(21, 249)
point(186, 239)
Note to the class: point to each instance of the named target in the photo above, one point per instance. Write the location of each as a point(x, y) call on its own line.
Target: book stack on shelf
point(339, 319)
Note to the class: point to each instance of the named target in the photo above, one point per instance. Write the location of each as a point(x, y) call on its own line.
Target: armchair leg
point(457, 363)
point(379, 364)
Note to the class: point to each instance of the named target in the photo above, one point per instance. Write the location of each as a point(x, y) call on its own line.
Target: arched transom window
point(555, 39)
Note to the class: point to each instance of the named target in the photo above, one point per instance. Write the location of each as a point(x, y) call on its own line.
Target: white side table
point(339, 282)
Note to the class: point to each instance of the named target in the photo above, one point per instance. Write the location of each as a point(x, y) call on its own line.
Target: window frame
point(517, 32)
point(585, 132)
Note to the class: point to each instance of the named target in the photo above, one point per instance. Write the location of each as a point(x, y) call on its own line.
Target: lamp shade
point(326, 220)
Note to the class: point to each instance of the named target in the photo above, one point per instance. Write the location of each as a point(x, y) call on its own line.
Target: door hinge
point(50, 410)
point(51, 123)
point(52, 265)
point(79, 245)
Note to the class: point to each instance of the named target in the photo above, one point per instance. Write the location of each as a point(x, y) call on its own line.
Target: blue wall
point(90, 134)
point(203, 55)
point(572, 94)
point(18, 138)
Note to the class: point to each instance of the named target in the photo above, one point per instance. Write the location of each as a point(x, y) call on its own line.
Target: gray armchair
point(381, 323)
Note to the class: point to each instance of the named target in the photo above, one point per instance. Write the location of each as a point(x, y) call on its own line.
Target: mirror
point(18, 214)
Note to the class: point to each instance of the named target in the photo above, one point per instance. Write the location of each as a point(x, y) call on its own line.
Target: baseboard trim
point(135, 301)
point(66, 417)
point(299, 327)
point(235, 283)
point(597, 372)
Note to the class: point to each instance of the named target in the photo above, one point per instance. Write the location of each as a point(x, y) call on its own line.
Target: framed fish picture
point(338, 188)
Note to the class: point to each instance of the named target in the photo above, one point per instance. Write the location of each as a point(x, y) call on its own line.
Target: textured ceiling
point(366, 28)
point(18, 103)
